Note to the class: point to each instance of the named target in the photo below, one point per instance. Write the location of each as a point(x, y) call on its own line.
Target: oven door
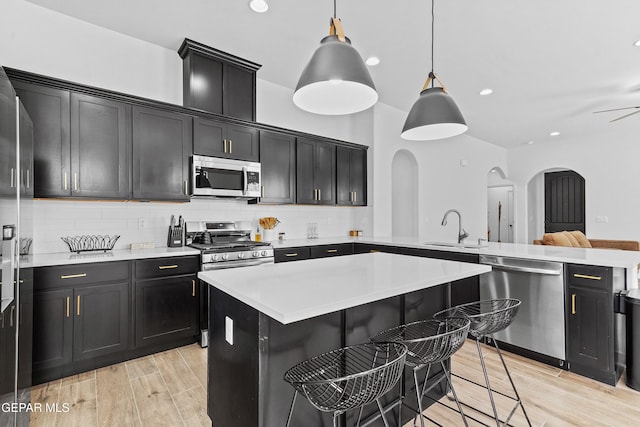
point(225, 178)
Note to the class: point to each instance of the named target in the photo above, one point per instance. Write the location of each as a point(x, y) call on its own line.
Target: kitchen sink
point(456, 245)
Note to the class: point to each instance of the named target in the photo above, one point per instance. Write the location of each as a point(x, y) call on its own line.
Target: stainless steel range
point(223, 244)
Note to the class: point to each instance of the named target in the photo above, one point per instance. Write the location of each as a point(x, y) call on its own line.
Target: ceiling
point(550, 63)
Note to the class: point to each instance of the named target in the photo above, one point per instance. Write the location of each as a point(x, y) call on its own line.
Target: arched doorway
point(404, 191)
point(500, 207)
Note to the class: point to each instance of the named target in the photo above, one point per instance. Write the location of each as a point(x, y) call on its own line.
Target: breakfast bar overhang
point(267, 318)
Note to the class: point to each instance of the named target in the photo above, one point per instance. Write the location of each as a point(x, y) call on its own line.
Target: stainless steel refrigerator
point(16, 289)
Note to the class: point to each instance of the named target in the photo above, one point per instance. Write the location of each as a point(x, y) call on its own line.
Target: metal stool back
point(348, 378)
point(487, 317)
point(429, 342)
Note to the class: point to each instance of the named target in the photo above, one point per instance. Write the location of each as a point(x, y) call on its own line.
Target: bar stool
point(348, 378)
point(487, 317)
point(429, 342)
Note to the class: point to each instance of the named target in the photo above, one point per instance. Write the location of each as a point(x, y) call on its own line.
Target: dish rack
point(88, 243)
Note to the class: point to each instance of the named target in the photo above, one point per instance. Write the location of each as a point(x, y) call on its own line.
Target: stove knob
point(225, 256)
point(241, 255)
point(214, 257)
point(263, 253)
point(255, 254)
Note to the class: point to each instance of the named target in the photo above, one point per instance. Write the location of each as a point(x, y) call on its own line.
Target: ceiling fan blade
point(617, 109)
point(622, 117)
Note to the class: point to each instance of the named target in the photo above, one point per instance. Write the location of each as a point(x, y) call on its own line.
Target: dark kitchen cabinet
point(278, 161)
point(351, 176)
point(219, 139)
point(7, 349)
point(100, 148)
point(590, 323)
point(161, 150)
point(291, 254)
point(315, 172)
point(324, 251)
point(80, 313)
point(49, 109)
point(167, 300)
point(218, 82)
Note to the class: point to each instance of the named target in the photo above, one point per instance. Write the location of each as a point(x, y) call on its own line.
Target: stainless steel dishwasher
point(539, 324)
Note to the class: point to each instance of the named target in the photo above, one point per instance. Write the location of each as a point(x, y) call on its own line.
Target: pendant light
point(336, 80)
point(434, 115)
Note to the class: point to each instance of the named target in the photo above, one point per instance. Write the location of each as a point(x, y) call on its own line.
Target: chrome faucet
point(462, 233)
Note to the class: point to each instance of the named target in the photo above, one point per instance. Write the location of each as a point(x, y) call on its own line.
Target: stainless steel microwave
point(218, 177)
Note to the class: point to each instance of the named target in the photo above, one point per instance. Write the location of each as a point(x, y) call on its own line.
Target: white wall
point(443, 182)
point(608, 163)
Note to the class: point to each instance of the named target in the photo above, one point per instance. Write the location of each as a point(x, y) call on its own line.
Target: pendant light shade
point(434, 115)
point(336, 80)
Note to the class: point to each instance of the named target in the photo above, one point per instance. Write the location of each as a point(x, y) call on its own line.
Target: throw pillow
point(581, 238)
point(560, 239)
point(572, 239)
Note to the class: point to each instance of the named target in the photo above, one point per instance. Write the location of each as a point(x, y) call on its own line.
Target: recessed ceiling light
point(493, 170)
point(555, 133)
point(372, 60)
point(486, 91)
point(637, 43)
point(530, 142)
point(259, 6)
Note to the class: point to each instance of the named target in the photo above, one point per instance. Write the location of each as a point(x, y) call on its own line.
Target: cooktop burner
point(228, 246)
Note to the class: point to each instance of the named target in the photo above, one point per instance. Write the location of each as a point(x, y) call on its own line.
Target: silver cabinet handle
point(355, 197)
point(28, 180)
point(65, 181)
point(230, 146)
point(75, 181)
point(224, 143)
point(12, 172)
point(319, 194)
point(186, 187)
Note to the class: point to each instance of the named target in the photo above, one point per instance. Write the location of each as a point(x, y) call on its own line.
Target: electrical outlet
point(602, 219)
point(141, 223)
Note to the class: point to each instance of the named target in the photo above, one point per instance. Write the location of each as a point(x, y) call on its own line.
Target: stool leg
point(419, 392)
point(293, 402)
point(453, 391)
point(335, 419)
point(495, 344)
point(486, 380)
point(384, 419)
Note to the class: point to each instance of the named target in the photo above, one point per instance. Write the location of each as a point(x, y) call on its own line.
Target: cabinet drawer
point(163, 267)
point(80, 274)
point(331, 250)
point(589, 275)
point(291, 254)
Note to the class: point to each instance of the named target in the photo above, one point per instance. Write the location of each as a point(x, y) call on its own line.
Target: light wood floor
point(169, 389)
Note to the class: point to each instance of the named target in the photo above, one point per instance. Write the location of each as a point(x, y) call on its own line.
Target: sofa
point(578, 239)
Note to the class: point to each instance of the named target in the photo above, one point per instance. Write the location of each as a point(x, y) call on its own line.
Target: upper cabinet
point(315, 172)
point(50, 113)
point(351, 176)
point(219, 139)
point(161, 150)
point(100, 147)
point(218, 82)
point(278, 160)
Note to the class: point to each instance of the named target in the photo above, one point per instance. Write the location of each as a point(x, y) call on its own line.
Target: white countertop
point(67, 258)
point(293, 291)
point(602, 257)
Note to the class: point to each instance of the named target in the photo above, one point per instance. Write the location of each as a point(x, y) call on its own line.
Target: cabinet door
point(8, 137)
point(358, 177)
point(209, 138)
point(7, 349)
point(242, 143)
point(278, 160)
point(239, 93)
point(50, 113)
point(306, 190)
point(325, 173)
point(161, 150)
point(589, 329)
point(52, 328)
point(100, 147)
point(101, 320)
point(166, 309)
point(344, 194)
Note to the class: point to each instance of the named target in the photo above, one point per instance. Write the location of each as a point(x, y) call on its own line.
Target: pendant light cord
point(334, 9)
point(432, 40)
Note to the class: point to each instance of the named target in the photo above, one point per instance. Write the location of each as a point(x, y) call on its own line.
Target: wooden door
point(100, 147)
point(278, 160)
point(564, 201)
point(161, 150)
point(50, 113)
point(101, 320)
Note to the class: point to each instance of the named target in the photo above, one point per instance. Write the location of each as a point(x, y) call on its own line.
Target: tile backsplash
point(137, 222)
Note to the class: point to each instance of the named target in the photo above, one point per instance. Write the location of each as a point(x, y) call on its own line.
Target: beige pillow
point(574, 242)
point(583, 242)
point(556, 239)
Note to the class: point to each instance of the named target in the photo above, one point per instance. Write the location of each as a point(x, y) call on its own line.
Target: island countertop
point(294, 291)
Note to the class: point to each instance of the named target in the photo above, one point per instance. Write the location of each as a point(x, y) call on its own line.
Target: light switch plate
point(228, 329)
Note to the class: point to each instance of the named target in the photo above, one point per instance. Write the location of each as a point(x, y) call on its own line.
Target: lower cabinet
point(310, 252)
point(590, 322)
point(166, 309)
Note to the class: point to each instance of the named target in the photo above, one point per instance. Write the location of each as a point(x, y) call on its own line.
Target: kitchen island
point(267, 318)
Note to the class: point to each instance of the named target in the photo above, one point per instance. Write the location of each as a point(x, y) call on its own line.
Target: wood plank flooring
point(169, 389)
